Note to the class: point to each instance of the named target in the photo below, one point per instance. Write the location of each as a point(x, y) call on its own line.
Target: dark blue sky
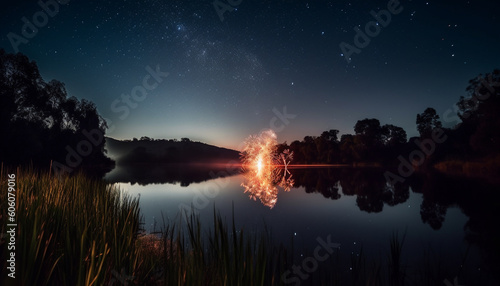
point(225, 78)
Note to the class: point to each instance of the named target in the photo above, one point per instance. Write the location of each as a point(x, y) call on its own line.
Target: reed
point(71, 230)
point(221, 255)
point(397, 271)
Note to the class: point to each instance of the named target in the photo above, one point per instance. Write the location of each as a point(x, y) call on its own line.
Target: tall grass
point(71, 230)
point(221, 255)
point(397, 272)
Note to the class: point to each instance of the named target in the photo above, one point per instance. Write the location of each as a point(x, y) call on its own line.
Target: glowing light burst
point(266, 170)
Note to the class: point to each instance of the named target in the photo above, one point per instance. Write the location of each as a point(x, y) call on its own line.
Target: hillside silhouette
point(158, 152)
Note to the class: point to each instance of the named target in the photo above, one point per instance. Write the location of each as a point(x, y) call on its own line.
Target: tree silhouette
point(481, 90)
point(38, 122)
point(309, 150)
point(393, 135)
point(327, 146)
point(377, 143)
point(330, 136)
point(480, 114)
point(427, 122)
point(370, 132)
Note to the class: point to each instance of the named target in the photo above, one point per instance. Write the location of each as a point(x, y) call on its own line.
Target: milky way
point(225, 78)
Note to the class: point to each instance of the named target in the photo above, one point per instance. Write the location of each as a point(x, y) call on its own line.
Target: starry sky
point(218, 73)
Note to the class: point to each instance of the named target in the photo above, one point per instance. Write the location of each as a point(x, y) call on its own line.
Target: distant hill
point(149, 151)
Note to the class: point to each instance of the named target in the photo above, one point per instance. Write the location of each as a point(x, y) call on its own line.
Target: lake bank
point(486, 169)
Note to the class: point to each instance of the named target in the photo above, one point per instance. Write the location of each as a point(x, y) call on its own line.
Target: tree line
point(476, 135)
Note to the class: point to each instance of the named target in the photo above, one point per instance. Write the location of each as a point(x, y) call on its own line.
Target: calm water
point(355, 206)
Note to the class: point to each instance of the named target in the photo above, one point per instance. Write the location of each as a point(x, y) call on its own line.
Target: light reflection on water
point(264, 183)
point(306, 215)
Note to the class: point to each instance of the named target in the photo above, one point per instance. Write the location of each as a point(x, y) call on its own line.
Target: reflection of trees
point(477, 199)
point(438, 195)
point(322, 180)
point(434, 205)
point(370, 204)
point(397, 194)
point(482, 230)
point(369, 185)
point(433, 213)
point(371, 189)
point(327, 189)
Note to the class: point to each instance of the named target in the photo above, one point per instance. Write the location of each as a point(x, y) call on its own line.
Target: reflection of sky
point(309, 216)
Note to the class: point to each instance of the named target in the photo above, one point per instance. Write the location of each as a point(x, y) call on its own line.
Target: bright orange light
point(262, 163)
point(259, 165)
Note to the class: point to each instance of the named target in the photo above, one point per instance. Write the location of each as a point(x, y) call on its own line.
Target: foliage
point(480, 90)
point(393, 136)
point(371, 143)
point(480, 114)
point(427, 122)
point(38, 120)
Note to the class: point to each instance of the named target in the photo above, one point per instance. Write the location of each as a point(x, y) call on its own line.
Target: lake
point(448, 221)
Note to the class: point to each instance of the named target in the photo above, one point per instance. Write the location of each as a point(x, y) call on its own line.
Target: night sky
point(226, 74)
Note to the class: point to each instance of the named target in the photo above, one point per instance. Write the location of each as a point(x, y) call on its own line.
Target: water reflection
point(478, 200)
point(264, 182)
point(369, 186)
point(183, 174)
